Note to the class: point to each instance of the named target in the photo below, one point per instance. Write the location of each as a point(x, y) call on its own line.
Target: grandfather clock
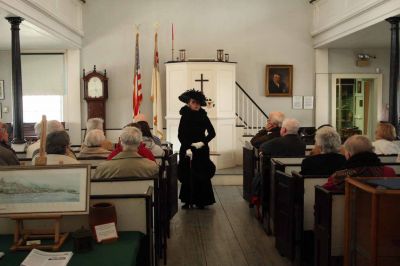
point(96, 93)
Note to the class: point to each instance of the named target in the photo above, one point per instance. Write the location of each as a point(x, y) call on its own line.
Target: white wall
point(343, 61)
point(254, 33)
point(6, 75)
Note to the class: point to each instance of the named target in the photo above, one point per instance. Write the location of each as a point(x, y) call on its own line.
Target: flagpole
point(172, 59)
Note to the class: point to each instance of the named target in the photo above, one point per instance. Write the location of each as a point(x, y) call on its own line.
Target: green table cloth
point(122, 252)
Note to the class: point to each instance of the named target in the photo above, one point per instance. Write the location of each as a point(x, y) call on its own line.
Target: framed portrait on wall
point(1, 89)
point(279, 80)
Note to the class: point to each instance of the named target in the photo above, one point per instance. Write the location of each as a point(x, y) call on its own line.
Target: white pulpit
point(218, 82)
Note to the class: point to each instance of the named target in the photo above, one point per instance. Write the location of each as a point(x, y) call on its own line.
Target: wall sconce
point(363, 59)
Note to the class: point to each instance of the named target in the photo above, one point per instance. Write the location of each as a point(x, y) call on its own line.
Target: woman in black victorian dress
point(195, 167)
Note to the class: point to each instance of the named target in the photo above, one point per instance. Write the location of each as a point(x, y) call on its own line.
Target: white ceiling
point(375, 36)
point(31, 37)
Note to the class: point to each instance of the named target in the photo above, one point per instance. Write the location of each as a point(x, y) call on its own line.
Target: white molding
point(365, 17)
point(322, 87)
point(45, 21)
point(342, 17)
point(77, 27)
point(72, 109)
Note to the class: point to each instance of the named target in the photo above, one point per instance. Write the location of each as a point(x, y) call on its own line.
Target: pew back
point(294, 212)
point(329, 227)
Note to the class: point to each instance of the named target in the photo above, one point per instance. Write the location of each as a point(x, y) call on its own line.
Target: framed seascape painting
point(58, 189)
point(279, 80)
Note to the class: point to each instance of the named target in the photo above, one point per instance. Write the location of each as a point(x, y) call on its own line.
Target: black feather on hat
point(193, 94)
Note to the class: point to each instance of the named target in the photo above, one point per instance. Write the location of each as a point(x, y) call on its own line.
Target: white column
point(72, 103)
point(322, 92)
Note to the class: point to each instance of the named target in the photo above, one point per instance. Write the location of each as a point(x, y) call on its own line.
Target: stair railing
point(249, 113)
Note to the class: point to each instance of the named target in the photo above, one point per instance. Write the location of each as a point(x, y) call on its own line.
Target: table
point(123, 252)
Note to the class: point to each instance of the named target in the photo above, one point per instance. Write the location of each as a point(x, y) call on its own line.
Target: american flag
point(137, 85)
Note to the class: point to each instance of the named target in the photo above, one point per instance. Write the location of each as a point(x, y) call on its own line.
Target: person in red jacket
point(142, 150)
point(361, 162)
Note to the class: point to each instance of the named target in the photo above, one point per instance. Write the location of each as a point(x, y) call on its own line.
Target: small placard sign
point(106, 232)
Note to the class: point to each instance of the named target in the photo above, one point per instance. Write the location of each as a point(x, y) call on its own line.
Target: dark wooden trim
point(394, 72)
point(18, 133)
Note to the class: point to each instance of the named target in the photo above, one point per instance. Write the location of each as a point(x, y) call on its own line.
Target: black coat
point(322, 164)
point(288, 145)
point(263, 136)
point(195, 175)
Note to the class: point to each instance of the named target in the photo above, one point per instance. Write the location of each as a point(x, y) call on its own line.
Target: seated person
point(128, 162)
point(52, 126)
point(149, 141)
point(7, 154)
point(57, 144)
point(142, 118)
point(329, 160)
point(142, 150)
point(272, 129)
point(361, 162)
point(385, 134)
point(97, 123)
point(290, 144)
point(92, 145)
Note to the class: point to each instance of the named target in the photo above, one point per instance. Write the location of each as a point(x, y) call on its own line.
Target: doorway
point(356, 103)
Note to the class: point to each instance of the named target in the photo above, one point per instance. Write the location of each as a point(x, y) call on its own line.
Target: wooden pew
point(249, 171)
point(284, 164)
point(372, 235)
point(328, 227)
point(294, 212)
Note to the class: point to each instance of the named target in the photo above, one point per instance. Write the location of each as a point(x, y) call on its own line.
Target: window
point(37, 105)
point(43, 84)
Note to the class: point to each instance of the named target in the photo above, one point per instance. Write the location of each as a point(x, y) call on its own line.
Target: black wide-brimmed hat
point(193, 94)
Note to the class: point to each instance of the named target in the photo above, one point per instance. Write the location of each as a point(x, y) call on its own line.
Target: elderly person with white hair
point(127, 163)
point(272, 129)
point(92, 145)
point(329, 160)
point(57, 144)
point(289, 144)
point(52, 126)
point(98, 123)
point(361, 162)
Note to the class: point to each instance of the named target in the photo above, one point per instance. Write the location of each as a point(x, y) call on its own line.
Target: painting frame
point(279, 81)
point(43, 190)
point(2, 97)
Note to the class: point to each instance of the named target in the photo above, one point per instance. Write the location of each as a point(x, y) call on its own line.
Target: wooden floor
point(226, 233)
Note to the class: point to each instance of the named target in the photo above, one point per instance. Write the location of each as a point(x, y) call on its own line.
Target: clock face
point(95, 88)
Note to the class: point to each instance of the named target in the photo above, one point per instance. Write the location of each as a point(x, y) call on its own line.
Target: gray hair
point(130, 138)
point(292, 125)
point(94, 138)
point(276, 118)
point(328, 139)
point(358, 144)
point(52, 126)
point(94, 123)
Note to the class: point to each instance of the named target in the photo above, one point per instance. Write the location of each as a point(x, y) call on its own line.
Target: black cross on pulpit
point(201, 80)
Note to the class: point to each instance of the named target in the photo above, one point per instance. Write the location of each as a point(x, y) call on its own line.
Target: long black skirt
point(195, 176)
